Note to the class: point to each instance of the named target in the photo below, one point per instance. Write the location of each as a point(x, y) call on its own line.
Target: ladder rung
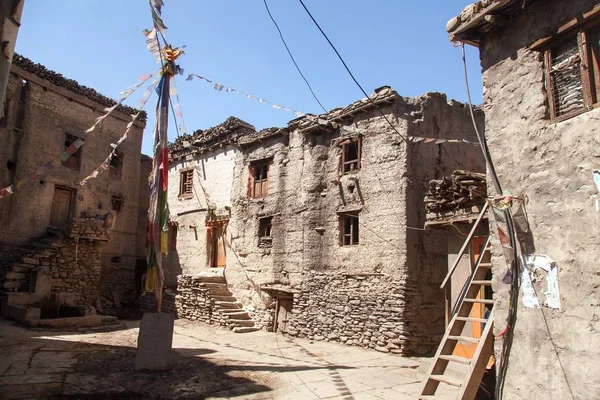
point(485, 265)
point(446, 379)
point(456, 359)
point(482, 301)
point(427, 397)
point(469, 319)
point(464, 339)
point(481, 283)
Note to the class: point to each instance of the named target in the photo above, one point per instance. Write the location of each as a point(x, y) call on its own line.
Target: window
point(264, 232)
point(172, 236)
point(259, 179)
point(4, 119)
point(349, 229)
point(116, 203)
point(572, 68)
point(116, 163)
point(186, 183)
point(73, 160)
point(350, 158)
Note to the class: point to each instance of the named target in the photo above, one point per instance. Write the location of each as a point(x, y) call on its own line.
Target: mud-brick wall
point(554, 355)
point(360, 310)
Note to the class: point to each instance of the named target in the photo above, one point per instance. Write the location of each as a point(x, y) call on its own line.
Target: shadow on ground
point(100, 371)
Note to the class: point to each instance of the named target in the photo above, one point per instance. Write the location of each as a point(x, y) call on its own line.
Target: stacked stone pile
point(362, 310)
point(462, 189)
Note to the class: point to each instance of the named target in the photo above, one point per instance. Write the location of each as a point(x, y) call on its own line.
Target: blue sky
point(384, 42)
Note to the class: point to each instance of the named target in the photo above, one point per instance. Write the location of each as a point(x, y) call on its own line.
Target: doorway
point(62, 206)
point(283, 313)
point(216, 242)
point(479, 310)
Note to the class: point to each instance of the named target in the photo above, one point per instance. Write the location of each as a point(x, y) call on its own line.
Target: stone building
point(541, 84)
point(316, 229)
point(44, 113)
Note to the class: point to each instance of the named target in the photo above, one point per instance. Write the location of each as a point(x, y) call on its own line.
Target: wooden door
point(467, 350)
point(217, 255)
point(284, 313)
point(61, 207)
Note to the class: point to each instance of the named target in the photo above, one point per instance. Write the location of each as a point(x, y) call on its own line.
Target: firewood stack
point(462, 189)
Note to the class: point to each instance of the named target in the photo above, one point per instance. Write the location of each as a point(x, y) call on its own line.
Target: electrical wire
point(351, 74)
point(292, 57)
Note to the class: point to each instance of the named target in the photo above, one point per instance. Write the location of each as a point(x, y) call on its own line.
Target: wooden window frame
point(353, 233)
point(74, 160)
point(186, 183)
point(353, 165)
point(116, 172)
point(586, 29)
point(258, 185)
point(265, 232)
point(116, 200)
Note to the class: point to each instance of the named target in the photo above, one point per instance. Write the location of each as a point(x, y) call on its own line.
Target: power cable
point(352, 75)
point(292, 57)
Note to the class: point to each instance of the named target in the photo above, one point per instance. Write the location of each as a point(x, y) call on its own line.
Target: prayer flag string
point(106, 163)
point(222, 88)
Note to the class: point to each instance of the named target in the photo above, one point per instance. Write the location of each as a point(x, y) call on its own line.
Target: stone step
point(14, 276)
point(216, 289)
point(224, 298)
point(31, 261)
point(22, 267)
point(234, 314)
point(210, 279)
point(241, 322)
point(228, 305)
point(245, 329)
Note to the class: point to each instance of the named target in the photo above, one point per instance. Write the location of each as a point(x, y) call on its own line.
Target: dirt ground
point(207, 363)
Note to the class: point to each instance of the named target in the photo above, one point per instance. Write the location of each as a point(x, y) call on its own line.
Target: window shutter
point(251, 181)
point(358, 150)
point(566, 78)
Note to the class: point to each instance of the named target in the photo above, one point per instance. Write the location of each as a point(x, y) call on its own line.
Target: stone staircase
point(20, 265)
point(224, 308)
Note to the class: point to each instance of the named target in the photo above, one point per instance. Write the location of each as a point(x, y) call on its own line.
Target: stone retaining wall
point(362, 310)
point(147, 302)
point(192, 301)
point(76, 269)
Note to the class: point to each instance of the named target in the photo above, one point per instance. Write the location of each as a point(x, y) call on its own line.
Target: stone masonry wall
point(370, 311)
point(193, 301)
point(552, 164)
point(147, 302)
point(75, 260)
point(76, 270)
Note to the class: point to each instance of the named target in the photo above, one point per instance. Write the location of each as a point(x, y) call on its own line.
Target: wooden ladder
point(466, 387)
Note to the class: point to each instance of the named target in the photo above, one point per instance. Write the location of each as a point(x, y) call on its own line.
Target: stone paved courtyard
point(208, 363)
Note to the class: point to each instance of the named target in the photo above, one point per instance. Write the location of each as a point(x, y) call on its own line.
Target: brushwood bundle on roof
point(70, 84)
point(462, 189)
